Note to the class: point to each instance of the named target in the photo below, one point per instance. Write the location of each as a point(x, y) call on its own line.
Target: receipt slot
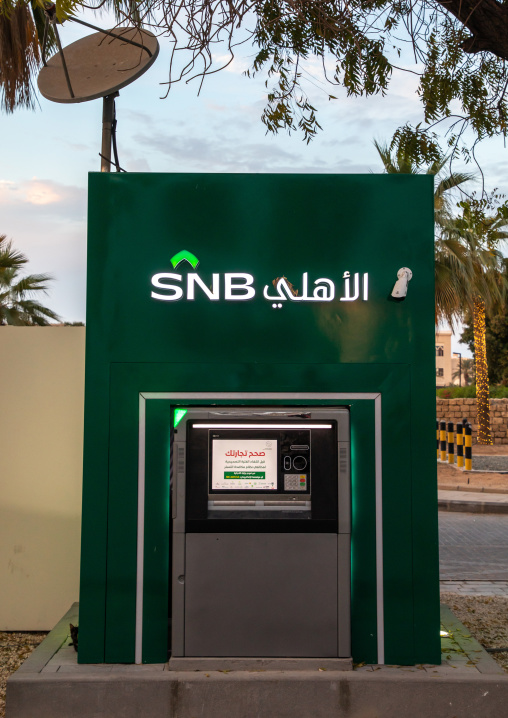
point(261, 533)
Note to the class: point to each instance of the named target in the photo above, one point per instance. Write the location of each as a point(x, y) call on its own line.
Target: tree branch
point(487, 20)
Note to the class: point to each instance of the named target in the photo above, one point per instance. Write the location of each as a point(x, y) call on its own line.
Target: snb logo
point(240, 286)
point(237, 286)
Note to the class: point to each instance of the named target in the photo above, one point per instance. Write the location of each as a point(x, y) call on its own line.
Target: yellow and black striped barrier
point(460, 446)
point(445, 443)
point(468, 447)
point(442, 439)
point(451, 443)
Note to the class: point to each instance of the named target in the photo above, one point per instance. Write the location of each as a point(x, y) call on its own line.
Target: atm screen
point(270, 470)
point(244, 465)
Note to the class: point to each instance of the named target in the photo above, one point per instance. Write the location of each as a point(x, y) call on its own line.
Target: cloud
point(45, 195)
point(143, 118)
point(223, 154)
point(236, 65)
point(137, 164)
point(219, 154)
point(76, 146)
point(46, 220)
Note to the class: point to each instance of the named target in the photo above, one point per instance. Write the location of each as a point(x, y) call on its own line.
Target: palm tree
point(17, 303)
point(483, 233)
point(468, 267)
point(452, 263)
point(465, 371)
point(19, 53)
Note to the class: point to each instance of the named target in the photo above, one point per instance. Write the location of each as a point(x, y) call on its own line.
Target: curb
point(472, 507)
point(471, 489)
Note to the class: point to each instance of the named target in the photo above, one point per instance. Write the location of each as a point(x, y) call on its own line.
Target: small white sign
point(244, 464)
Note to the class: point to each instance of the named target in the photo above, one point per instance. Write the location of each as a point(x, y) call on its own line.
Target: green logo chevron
point(184, 256)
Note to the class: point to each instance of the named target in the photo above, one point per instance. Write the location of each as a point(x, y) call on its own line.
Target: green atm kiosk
point(259, 473)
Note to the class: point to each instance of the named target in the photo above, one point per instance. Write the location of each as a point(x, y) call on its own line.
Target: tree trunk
point(482, 373)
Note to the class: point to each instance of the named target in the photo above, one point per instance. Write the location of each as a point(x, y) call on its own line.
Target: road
point(473, 546)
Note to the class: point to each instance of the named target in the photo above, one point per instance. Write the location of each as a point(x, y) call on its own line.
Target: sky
point(46, 154)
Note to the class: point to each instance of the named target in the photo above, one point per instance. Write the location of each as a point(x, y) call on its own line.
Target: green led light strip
point(179, 414)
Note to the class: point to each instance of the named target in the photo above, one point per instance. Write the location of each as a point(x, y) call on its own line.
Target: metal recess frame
point(306, 398)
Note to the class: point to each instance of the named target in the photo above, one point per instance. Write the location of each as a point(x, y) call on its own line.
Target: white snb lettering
point(157, 282)
point(242, 291)
point(213, 293)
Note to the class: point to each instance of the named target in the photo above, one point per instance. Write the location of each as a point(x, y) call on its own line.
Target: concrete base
point(260, 664)
point(50, 684)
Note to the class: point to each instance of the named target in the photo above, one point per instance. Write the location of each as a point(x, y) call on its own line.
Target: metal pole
point(64, 64)
point(117, 35)
point(108, 116)
point(460, 366)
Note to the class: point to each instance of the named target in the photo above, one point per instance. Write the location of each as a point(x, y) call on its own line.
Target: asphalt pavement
point(474, 548)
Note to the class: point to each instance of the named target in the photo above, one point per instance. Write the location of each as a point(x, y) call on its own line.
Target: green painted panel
point(157, 532)
point(122, 522)
point(267, 226)
point(363, 534)
point(353, 223)
point(397, 518)
point(425, 524)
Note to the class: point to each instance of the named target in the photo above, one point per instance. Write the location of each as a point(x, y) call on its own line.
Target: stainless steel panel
point(341, 413)
point(344, 595)
point(178, 512)
point(178, 595)
point(261, 595)
point(344, 453)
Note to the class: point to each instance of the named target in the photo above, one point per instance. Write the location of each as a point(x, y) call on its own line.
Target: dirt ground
point(450, 476)
point(14, 649)
point(487, 619)
point(496, 450)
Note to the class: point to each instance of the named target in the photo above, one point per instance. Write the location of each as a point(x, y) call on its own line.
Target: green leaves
point(287, 33)
point(468, 261)
point(461, 81)
point(18, 305)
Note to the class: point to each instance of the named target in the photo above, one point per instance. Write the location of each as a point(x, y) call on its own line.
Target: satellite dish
point(98, 65)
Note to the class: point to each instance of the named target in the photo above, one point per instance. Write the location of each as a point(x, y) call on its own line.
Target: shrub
point(498, 392)
point(469, 392)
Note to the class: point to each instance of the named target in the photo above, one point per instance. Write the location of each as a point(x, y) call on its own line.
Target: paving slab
point(468, 684)
point(473, 546)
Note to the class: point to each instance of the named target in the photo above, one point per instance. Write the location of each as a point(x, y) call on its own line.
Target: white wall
point(41, 429)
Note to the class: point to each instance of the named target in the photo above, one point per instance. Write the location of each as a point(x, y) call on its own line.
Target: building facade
point(446, 363)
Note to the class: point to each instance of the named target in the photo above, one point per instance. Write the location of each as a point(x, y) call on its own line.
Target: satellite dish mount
point(96, 66)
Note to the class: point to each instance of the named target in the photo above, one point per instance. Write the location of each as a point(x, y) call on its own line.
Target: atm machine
point(261, 521)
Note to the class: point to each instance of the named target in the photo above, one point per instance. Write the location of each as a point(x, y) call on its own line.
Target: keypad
point(295, 482)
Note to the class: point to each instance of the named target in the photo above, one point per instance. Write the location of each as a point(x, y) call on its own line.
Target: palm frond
point(19, 56)
point(9, 257)
point(18, 305)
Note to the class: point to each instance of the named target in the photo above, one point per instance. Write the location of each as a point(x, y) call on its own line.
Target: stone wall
point(457, 409)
